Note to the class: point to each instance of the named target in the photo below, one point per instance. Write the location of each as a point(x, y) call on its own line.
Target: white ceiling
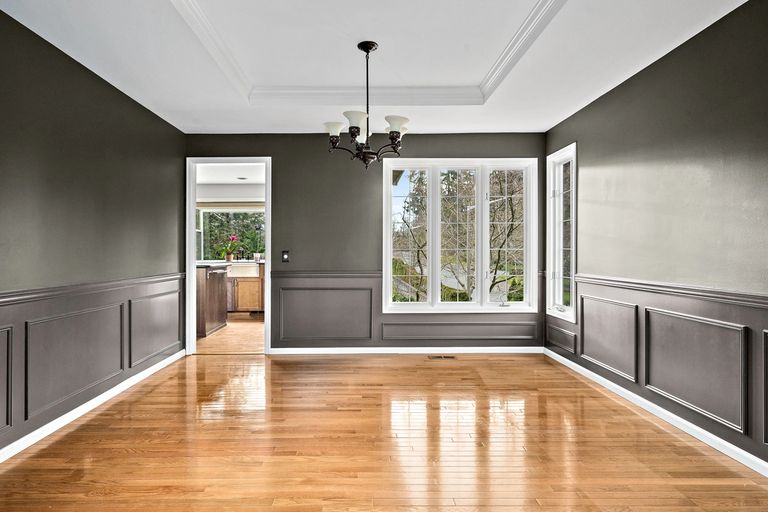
point(231, 174)
point(238, 66)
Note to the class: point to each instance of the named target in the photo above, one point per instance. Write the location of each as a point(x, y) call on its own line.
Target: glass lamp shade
point(334, 129)
point(396, 123)
point(356, 118)
point(403, 130)
point(362, 137)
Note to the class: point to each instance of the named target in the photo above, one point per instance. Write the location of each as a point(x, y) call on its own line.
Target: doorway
point(228, 228)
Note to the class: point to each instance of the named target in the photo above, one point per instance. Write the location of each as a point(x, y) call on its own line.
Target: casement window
point(561, 230)
point(460, 235)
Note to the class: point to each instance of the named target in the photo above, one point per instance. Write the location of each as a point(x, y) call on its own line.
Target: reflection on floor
point(363, 433)
point(244, 334)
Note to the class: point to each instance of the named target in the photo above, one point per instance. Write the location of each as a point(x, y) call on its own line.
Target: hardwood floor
point(244, 334)
point(384, 433)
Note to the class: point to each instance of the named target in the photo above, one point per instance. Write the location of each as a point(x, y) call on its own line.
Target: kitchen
point(230, 258)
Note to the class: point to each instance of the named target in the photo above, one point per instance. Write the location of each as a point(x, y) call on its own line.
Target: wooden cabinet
point(248, 294)
point(211, 299)
point(245, 289)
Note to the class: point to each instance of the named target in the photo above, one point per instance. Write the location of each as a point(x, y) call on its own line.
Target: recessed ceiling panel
point(240, 66)
point(312, 43)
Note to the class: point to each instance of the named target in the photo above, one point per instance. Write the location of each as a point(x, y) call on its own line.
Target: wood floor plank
point(243, 334)
point(373, 433)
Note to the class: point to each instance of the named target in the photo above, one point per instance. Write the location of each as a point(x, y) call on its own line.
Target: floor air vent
point(441, 357)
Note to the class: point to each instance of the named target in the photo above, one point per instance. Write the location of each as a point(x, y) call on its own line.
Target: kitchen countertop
point(213, 264)
point(204, 263)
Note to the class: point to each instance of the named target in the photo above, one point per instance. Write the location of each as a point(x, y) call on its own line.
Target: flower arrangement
point(229, 246)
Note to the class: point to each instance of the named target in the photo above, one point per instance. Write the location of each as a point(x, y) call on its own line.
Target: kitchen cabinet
point(245, 287)
point(211, 298)
point(249, 294)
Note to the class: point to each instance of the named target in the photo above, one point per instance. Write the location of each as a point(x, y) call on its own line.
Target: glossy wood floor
point(385, 433)
point(244, 334)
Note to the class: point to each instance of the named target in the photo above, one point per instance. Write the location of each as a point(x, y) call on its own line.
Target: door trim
point(190, 330)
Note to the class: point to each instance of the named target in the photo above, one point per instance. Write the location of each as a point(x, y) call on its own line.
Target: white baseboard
point(686, 426)
point(404, 350)
point(49, 428)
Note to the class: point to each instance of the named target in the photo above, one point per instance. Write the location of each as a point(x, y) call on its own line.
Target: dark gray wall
point(91, 191)
point(325, 208)
point(91, 183)
point(672, 181)
point(673, 164)
point(328, 212)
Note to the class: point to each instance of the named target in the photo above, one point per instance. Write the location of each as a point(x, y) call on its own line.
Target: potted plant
point(229, 246)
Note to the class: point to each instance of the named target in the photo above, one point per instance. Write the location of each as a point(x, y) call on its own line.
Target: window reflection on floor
point(242, 393)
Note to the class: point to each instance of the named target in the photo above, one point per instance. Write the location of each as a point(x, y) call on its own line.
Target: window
point(460, 235)
point(214, 226)
point(561, 186)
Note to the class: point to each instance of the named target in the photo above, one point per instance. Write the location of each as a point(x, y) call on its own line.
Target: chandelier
point(360, 139)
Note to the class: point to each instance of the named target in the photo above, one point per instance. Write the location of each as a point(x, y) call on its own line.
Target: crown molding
point(538, 19)
point(469, 95)
point(193, 15)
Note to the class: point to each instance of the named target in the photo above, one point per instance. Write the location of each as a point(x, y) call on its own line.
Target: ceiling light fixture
point(363, 152)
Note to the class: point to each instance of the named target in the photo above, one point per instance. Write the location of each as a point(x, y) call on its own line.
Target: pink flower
point(233, 238)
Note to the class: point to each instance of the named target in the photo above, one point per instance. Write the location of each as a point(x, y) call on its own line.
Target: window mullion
point(482, 247)
point(433, 240)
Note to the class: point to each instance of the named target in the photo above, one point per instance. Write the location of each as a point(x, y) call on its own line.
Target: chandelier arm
point(342, 148)
point(394, 151)
point(390, 148)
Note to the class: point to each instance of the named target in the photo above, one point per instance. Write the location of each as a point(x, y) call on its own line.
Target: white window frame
point(484, 166)
point(555, 163)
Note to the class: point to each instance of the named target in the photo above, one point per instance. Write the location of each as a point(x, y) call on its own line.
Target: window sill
point(400, 310)
point(568, 316)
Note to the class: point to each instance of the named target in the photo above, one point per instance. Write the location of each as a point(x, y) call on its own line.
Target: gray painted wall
point(91, 191)
point(91, 183)
point(672, 181)
point(673, 164)
point(328, 212)
point(325, 209)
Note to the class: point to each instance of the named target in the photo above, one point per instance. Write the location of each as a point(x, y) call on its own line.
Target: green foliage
point(229, 245)
point(448, 294)
point(404, 273)
point(218, 226)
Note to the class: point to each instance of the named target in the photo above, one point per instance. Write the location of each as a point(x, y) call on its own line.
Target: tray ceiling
point(235, 66)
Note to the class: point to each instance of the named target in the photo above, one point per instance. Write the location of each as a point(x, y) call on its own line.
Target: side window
point(561, 174)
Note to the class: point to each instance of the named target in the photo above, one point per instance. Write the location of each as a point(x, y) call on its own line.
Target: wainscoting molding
point(714, 355)
point(609, 334)
point(6, 340)
point(150, 333)
point(54, 367)
point(328, 312)
point(563, 338)
point(765, 385)
point(695, 292)
point(61, 347)
point(700, 355)
point(448, 330)
point(325, 313)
